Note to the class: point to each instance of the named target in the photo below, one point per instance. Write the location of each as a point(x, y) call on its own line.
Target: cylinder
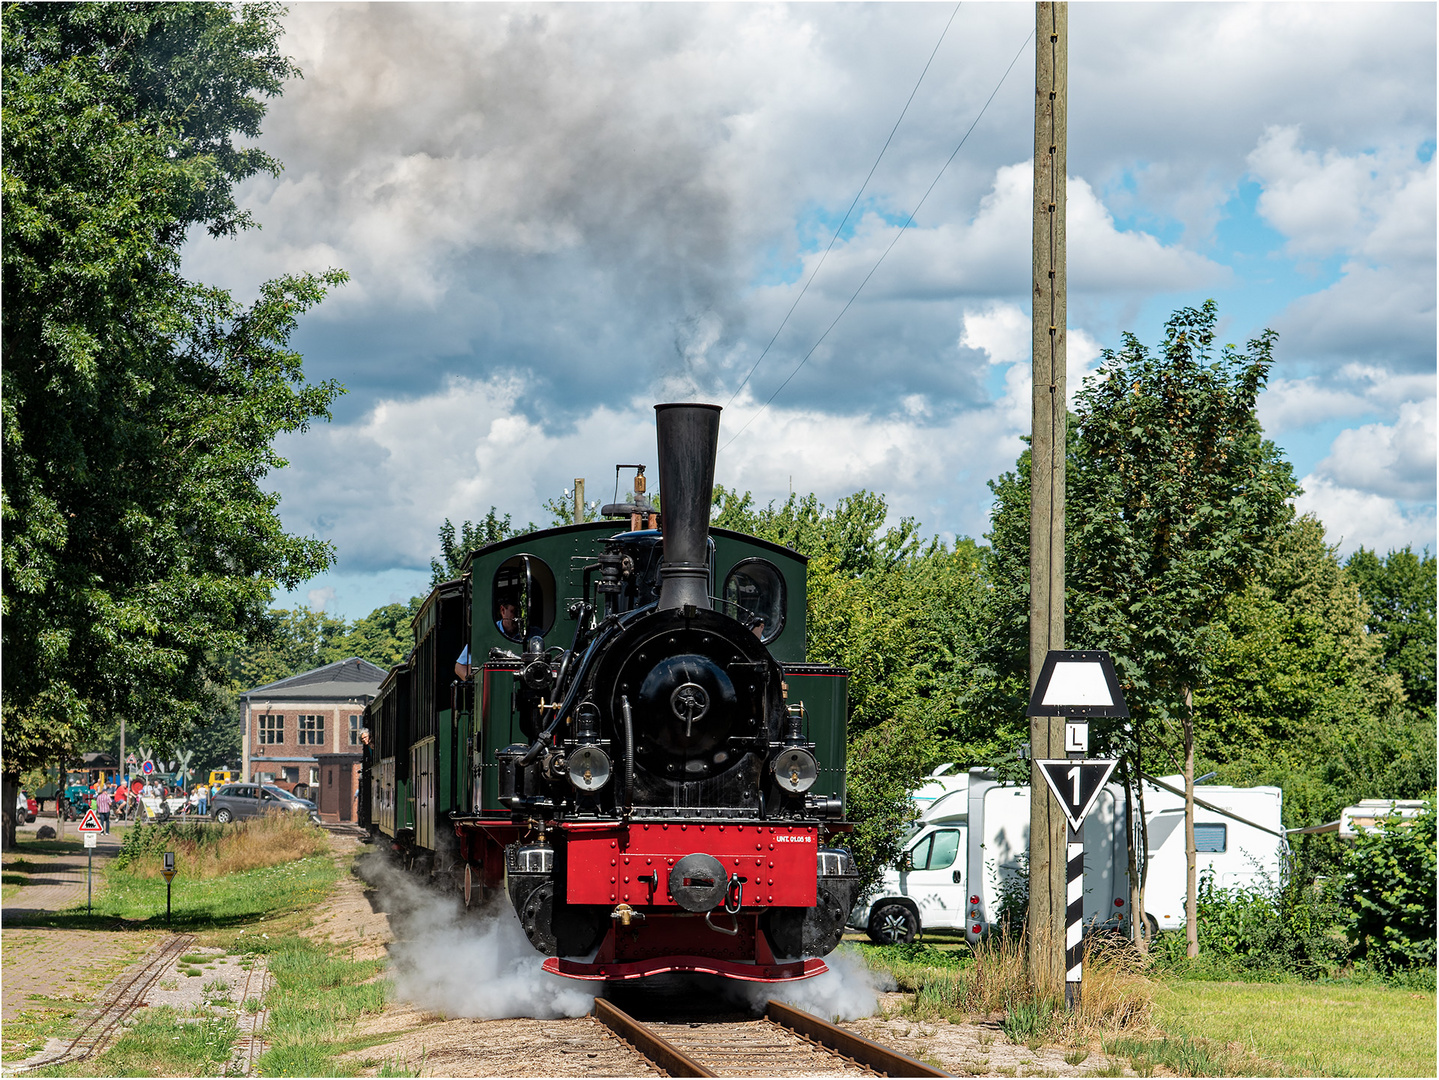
point(688, 437)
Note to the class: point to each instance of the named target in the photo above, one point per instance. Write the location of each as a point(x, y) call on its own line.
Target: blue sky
point(555, 216)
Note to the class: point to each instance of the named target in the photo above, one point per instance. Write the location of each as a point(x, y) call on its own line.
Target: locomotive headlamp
point(796, 770)
point(589, 768)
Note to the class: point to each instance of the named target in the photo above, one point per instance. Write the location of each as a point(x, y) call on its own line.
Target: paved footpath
point(41, 962)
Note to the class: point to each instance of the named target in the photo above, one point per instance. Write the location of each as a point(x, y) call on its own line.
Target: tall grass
point(207, 850)
point(1117, 997)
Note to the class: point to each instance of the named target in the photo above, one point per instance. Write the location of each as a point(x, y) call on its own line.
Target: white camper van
point(972, 836)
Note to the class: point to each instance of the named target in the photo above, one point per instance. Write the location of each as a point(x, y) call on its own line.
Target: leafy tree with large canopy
point(1172, 507)
point(1299, 694)
point(139, 408)
point(1173, 500)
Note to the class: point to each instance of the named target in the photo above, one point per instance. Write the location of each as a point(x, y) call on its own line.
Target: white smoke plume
point(847, 991)
point(459, 963)
point(480, 965)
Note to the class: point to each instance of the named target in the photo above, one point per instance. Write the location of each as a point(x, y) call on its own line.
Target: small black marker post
point(169, 873)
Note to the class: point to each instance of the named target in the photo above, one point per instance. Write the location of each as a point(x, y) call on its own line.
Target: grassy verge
point(236, 899)
point(1325, 1029)
point(162, 1042)
point(205, 850)
point(315, 1002)
point(226, 876)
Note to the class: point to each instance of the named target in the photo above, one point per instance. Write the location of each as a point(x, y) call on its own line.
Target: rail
point(733, 1051)
point(117, 1003)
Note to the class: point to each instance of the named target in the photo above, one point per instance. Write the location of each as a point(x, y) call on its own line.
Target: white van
point(972, 838)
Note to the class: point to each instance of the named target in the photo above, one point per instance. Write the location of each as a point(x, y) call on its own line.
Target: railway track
point(98, 1025)
point(249, 1043)
point(784, 1042)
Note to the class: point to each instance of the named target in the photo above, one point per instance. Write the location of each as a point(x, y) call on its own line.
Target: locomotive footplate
point(706, 965)
point(736, 948)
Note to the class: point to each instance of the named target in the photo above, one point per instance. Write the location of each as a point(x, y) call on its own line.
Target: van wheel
point(891, 924)
point(223, 816)
point(1151, 928)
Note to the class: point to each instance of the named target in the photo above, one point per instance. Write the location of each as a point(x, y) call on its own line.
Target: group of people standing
point(117, 799)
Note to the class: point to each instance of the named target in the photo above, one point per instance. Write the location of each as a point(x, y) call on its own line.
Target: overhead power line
point(901, 232)
point(847, 213)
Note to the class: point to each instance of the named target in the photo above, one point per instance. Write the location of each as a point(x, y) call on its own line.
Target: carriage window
point(754, 594)
point(523, 597)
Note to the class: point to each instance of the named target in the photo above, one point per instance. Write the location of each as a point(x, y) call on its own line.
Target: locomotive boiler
point(631, 747)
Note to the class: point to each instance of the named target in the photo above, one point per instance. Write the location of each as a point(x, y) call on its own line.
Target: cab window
point(754, 594)
point(937, 851)
point(523, 598)
point(946, 847)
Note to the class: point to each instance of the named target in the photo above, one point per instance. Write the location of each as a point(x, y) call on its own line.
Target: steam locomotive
point(643, 763)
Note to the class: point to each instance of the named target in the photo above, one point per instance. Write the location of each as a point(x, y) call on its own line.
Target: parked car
point(235, 801)
point(25, 808)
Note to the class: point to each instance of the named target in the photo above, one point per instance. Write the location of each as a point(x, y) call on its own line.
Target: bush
point(1390, 893)
point(1293, 928)
point(1011, 915)
point(206, 850)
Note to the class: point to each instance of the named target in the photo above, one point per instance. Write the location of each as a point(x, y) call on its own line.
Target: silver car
point(235, 801)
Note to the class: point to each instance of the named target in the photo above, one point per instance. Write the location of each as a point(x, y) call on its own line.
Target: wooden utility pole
point(1047, 825)
point(579, 517)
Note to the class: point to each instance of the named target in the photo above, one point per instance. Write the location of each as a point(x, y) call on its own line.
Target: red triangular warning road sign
point(91, 823)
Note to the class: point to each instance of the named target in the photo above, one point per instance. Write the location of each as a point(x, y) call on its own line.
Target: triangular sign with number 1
point(91, 823)
point(1076, 783)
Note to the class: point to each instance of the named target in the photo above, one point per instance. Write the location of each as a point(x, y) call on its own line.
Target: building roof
point(345, 680)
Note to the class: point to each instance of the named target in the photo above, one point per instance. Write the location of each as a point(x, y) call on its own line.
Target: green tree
point(287, 643)
point(139, 408)
point(1399, 590)
point(456, 548)
point(1000, 698)
point(1173, 498)
point(384, 637)
point(1299, 695)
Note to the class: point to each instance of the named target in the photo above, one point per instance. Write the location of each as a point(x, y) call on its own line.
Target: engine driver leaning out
point(509, 621)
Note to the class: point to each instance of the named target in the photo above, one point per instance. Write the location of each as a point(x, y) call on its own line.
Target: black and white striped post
point(1076, 782)
point(1074, 923)
point(1076, 745)
point(1077, 685)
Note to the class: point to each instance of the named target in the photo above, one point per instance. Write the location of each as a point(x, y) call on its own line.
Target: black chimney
point(688, 441)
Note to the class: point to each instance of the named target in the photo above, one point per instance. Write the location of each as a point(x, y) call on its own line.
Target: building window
point(354, 729)
point(272, 728)
point(312, 730)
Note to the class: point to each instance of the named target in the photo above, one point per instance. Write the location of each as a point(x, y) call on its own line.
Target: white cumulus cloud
point(1354, 518)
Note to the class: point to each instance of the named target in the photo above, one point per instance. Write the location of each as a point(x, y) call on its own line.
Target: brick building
point(286, 725)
